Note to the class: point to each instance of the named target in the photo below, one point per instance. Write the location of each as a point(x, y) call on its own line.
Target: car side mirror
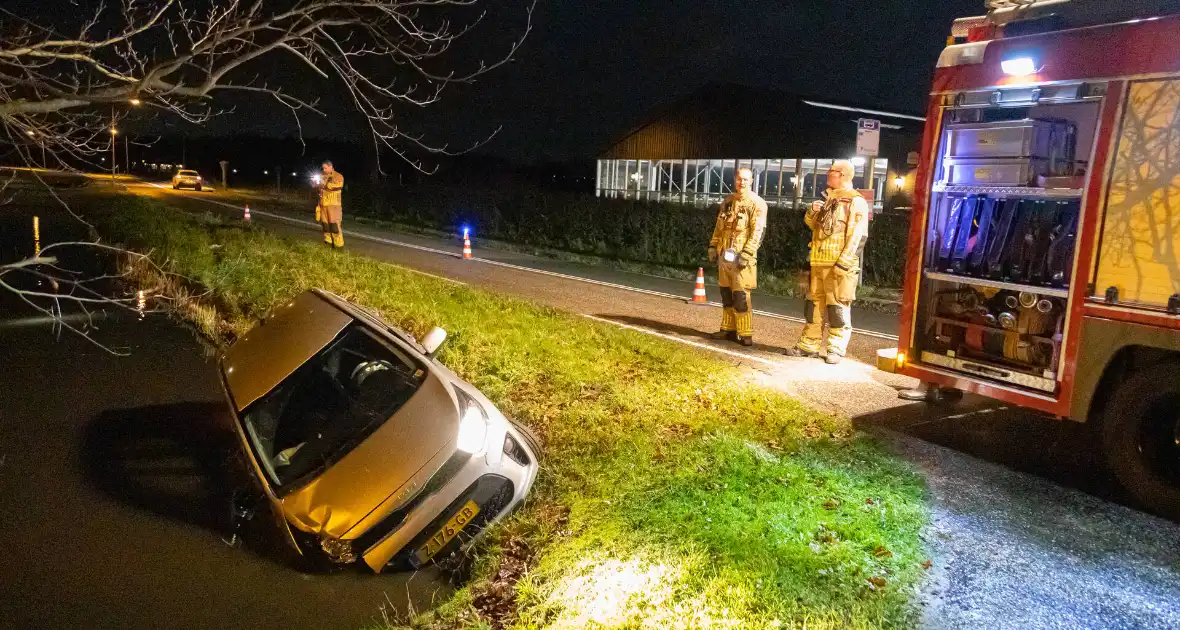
point(433, 341)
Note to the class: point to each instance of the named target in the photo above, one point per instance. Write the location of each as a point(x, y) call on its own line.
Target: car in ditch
point(359, 446)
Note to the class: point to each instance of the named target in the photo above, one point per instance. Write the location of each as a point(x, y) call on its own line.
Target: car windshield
point(187, 173)
point(330, 404)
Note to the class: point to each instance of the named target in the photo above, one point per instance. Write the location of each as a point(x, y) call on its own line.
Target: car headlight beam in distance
point(473, 426)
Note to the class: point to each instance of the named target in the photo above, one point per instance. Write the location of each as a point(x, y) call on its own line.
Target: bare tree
point(168, 54)
point(63, 89)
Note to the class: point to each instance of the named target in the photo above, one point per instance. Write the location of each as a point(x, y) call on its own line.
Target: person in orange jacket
point(330, 211)
point(737, 235)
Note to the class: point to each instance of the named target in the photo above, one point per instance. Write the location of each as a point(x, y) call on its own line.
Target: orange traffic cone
point(246, 214)
point(698, 293)
point(466, 246)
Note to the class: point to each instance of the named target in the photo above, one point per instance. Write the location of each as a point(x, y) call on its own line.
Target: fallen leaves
point(882, 552)
point(831, 504)
point(927, 564)
point(496, 602)
point(877, 583)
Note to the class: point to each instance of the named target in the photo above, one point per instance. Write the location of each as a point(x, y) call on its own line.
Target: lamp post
point(114, 132)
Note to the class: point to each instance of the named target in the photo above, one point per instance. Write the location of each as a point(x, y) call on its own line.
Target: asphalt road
point(114, 511)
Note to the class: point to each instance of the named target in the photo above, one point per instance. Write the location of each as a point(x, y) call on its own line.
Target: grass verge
point(675, 492)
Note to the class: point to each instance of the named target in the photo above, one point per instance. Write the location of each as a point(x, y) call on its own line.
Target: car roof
point(371, 317)
point(277, 346)
point(186, 171)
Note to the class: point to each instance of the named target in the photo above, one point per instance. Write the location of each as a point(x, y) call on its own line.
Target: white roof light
point(1019, 66)
point(875, 112)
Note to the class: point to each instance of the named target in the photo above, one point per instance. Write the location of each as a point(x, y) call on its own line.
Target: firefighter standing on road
point(839, 228)
point(741, 221)
point(330, 210)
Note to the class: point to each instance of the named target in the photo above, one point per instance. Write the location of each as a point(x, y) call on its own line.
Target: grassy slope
point(674, 490)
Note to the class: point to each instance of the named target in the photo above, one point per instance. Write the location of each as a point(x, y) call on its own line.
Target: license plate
point(448, 532)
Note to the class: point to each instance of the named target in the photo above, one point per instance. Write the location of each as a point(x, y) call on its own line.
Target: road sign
point(868, 137)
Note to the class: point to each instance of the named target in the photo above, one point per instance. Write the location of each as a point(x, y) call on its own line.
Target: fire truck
point(1047, 226)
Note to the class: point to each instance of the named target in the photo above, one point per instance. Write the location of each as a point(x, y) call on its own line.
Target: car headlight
point(473, 425)
point(339, 551)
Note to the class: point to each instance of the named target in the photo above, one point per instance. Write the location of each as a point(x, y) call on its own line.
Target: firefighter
point(839, 228)
point(741, 220)
point(330, 210)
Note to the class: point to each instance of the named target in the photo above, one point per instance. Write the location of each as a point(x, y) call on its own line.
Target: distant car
point(360, 445)
point(186, 178)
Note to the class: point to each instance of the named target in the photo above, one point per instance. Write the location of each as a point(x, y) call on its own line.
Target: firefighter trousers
point(829, 301)
point(736, 283)
point(329, 219)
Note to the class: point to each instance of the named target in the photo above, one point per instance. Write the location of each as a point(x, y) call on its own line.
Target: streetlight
point(114, 160)
point(34, 134)
point(136, 102)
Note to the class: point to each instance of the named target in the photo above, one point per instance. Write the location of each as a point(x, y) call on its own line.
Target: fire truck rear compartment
point(1000, 238)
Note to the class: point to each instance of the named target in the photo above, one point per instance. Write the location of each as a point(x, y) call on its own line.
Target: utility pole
point(278, 179)
point(127, 153)
point(114, 131)
point(183, 150)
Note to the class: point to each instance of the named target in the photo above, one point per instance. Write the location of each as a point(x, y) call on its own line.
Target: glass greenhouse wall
point(789, 183)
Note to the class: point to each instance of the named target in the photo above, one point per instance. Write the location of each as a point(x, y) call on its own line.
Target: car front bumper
point(496, 482)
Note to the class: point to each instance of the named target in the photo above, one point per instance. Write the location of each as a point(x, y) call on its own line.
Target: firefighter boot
point(839, 332)
point(811, 339)
point(728, 317)
point(744, 318)
point(336, 239)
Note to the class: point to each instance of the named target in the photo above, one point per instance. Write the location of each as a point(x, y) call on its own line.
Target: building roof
point(736, 121)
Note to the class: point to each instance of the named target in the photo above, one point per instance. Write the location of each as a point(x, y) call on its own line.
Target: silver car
point(361, 446)
point(187, 178)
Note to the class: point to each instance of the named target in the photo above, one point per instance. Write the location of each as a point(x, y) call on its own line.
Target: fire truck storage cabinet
point(1000, 238)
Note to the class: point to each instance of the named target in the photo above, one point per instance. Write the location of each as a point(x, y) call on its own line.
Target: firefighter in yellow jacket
point(741, 221)
point(330, 210)
point(839, 228)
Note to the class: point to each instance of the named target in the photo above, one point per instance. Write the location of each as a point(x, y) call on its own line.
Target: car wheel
point(534, 443)
point(1141, 437)
point(198, 188)
point(175, 187)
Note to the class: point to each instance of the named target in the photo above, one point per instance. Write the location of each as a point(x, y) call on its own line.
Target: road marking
point(612, 285)
point(687, 342)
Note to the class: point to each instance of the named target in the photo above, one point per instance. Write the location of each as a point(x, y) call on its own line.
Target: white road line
point(695, 344)
point(612, 285)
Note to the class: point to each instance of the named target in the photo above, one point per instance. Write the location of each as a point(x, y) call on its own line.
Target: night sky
point(595, 68)
point(592, 69)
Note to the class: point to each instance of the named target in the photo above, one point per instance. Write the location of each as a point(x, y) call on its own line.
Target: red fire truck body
point(1047, 217)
